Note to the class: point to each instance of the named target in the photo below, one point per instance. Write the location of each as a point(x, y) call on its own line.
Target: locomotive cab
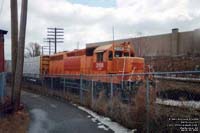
point(117, 59)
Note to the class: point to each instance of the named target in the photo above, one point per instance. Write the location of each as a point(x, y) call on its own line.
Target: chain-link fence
point(153, 102)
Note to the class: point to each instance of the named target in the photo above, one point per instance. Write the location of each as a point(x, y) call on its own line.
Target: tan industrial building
point(175, 51)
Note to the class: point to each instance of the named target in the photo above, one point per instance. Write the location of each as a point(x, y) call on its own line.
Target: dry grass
point(15, 123)
point(87, 99)
point(131, 115)
point(101, 105)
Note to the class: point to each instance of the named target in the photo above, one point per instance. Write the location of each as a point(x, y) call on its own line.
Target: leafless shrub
point(100, 105)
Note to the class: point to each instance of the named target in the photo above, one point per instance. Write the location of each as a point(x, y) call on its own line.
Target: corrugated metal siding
point(32, 65)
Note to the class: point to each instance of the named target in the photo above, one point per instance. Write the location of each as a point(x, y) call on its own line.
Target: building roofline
point(95, 44)
point(3, 31)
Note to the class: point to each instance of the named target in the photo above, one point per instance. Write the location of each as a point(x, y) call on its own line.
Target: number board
point(99, 66)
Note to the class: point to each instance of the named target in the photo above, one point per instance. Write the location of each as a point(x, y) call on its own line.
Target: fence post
point(51, 82)
point(51, 88)
point(42, 84)
point(2, 86)
point(111, 87)
point(147, 103)
point(92, 92)
point(111, 92)
point(64, 87)
point(81, 88)
point(45, 85)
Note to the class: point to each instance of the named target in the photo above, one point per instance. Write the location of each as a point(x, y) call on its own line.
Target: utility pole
point(14, 42)
point(20, 54)
point(49, 47)
point(140, 42)
point(46, 49)
point(42, 50)
point(49, 41)
point(77, 45)
point(113, 33)
point(56, 35)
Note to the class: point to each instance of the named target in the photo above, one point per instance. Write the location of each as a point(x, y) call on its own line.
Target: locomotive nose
point(138, 64)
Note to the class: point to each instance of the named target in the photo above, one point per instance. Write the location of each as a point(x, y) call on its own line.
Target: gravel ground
point(52, 116)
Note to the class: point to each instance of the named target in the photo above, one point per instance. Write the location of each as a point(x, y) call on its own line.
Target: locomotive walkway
point(52, 116)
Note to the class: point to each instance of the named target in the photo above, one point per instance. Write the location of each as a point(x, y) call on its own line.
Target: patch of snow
point(74, 104)
point(103, 127)
point(53, 105)
point(116, 127)
point(99, 123)
point(94, 119)
point(134, 130)
point(35, 96)
point(190, 104)
point(88, 116)
point(39, 119)
point(106, 119)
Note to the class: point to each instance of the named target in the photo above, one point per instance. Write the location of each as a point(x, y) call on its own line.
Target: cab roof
point(102, 48)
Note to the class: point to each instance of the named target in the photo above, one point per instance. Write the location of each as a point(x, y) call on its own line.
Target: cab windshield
point(121, 54)
point(118, 54)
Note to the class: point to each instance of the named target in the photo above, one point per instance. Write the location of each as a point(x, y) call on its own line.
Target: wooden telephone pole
point(14, 41)
point(18, 70)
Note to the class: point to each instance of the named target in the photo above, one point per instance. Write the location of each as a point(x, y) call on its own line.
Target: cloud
point(83, 23)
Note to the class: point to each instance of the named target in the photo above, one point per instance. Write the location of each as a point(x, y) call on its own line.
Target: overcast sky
point(87, 21)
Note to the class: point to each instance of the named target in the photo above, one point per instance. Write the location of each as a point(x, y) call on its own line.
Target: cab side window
point(126, 54)
point(110, 55)
point(132, 55)
point(100, 57)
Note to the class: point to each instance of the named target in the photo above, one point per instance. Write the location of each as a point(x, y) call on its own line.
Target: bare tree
point(32, 50)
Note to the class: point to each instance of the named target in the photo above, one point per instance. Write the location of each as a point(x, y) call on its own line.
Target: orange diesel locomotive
point(106, 59)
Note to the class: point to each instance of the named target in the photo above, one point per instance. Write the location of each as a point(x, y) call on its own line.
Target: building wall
point(175, 51)
point(172, 44)
point(1, 53)
point(152, 45)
